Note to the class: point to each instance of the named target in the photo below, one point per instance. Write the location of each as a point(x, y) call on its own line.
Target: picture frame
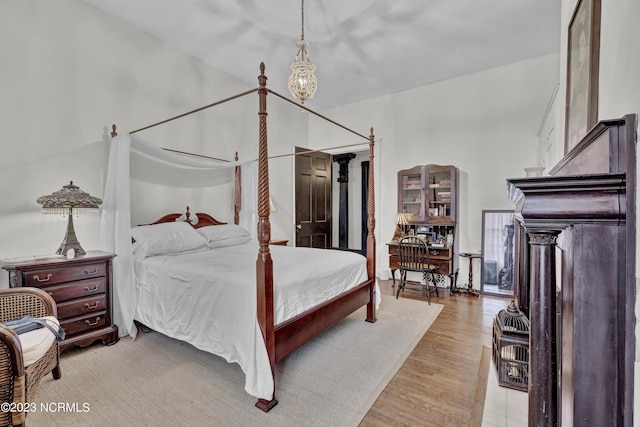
point(583, 58)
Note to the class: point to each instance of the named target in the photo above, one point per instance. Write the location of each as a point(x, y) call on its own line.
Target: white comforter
point(208, 298)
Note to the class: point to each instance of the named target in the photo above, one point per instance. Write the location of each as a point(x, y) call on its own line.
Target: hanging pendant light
point(302, 82)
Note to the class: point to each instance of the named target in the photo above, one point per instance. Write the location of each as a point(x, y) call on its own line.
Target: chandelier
point(302, 82)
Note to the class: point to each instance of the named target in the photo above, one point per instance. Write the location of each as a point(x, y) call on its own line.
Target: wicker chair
point(17, 383)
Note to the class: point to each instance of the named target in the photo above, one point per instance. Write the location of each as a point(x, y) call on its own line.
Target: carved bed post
point(371, 237)
point(264, 264)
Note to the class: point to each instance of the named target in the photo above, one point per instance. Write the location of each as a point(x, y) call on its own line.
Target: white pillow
point(167, 238)
point(240, 240)
point(214, 233)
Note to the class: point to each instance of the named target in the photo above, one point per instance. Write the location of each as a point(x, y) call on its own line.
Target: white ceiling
point(361, 48)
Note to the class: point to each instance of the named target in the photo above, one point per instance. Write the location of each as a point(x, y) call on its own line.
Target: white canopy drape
point(116, 224)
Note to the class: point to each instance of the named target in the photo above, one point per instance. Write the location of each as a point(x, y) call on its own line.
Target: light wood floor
point(435, 386)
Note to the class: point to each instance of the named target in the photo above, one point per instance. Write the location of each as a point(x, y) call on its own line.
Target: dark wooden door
point(313, 199)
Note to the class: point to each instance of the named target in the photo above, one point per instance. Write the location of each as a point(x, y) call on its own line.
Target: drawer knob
point(91, 307)
point(46, 279)
point(95, 271)
point(95, 288)
point(94, 323)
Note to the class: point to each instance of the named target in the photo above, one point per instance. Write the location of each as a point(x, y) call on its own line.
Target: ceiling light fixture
point(302, 82)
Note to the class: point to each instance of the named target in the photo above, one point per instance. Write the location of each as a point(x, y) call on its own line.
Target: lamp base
point(64, 248)
point(70, 240)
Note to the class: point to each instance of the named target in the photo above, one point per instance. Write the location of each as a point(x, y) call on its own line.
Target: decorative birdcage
point(511, 347)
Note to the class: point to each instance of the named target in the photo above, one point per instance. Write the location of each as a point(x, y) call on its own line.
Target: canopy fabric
point(115, 229)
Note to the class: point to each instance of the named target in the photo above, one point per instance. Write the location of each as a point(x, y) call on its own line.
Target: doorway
point(313, 198)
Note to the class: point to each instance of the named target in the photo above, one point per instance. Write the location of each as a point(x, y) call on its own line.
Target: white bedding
point(208, 298)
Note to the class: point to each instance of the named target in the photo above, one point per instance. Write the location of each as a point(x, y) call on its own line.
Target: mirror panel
point(497, 252)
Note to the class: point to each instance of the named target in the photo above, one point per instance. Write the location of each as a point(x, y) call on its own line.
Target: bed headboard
point(204, 219)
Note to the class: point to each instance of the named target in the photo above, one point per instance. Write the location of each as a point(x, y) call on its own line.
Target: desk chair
point(413, 255)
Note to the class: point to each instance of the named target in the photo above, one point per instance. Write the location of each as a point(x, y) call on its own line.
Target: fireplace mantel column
point(543, 353)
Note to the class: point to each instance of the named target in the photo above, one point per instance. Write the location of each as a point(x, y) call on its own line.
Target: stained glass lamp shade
point(67, 201)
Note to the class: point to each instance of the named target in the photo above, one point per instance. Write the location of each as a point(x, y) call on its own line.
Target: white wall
point(68, 72)
point(486, 124)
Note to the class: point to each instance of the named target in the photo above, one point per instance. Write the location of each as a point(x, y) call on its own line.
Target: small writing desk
point(441, 257)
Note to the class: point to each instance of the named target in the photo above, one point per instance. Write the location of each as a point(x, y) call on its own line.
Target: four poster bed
point(280, 324)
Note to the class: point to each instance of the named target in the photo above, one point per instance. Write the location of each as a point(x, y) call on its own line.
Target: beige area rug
point(157, 381)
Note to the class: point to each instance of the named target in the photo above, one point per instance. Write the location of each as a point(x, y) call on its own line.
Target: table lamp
point(403, 219)
point(67, 201)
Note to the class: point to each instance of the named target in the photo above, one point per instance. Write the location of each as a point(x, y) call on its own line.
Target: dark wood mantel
point(581, 298)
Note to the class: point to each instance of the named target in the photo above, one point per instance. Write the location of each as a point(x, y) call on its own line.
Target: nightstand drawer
point(82, 306)
point(52, 276)
point(80, 324)
point(77, 289)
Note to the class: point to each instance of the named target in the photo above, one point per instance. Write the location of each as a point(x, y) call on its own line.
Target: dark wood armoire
point(575, 279)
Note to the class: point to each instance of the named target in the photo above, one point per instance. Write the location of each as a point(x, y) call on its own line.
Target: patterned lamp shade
point(65, 201)
point(403, 220)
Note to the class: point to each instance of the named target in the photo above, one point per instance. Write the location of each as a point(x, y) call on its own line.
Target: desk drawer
point(53, 276)
point(440, 253)
point(393, 261)
point(82, 306)
point(434, 253)
point(79, 289)
point(80, 324)
point(444, 266)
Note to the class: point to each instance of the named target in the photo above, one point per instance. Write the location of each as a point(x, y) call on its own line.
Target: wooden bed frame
point(284, 338)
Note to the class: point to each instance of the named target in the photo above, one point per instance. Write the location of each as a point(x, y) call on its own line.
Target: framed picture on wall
point(583, 56)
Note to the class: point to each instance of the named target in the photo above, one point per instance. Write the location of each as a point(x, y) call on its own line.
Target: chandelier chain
point(302, 20)
point(302, 82)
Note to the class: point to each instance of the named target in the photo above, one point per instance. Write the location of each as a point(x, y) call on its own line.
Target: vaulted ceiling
point(362, 48)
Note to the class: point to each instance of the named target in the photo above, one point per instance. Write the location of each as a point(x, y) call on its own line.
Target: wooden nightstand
point(82, 289)
point(279, 242)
